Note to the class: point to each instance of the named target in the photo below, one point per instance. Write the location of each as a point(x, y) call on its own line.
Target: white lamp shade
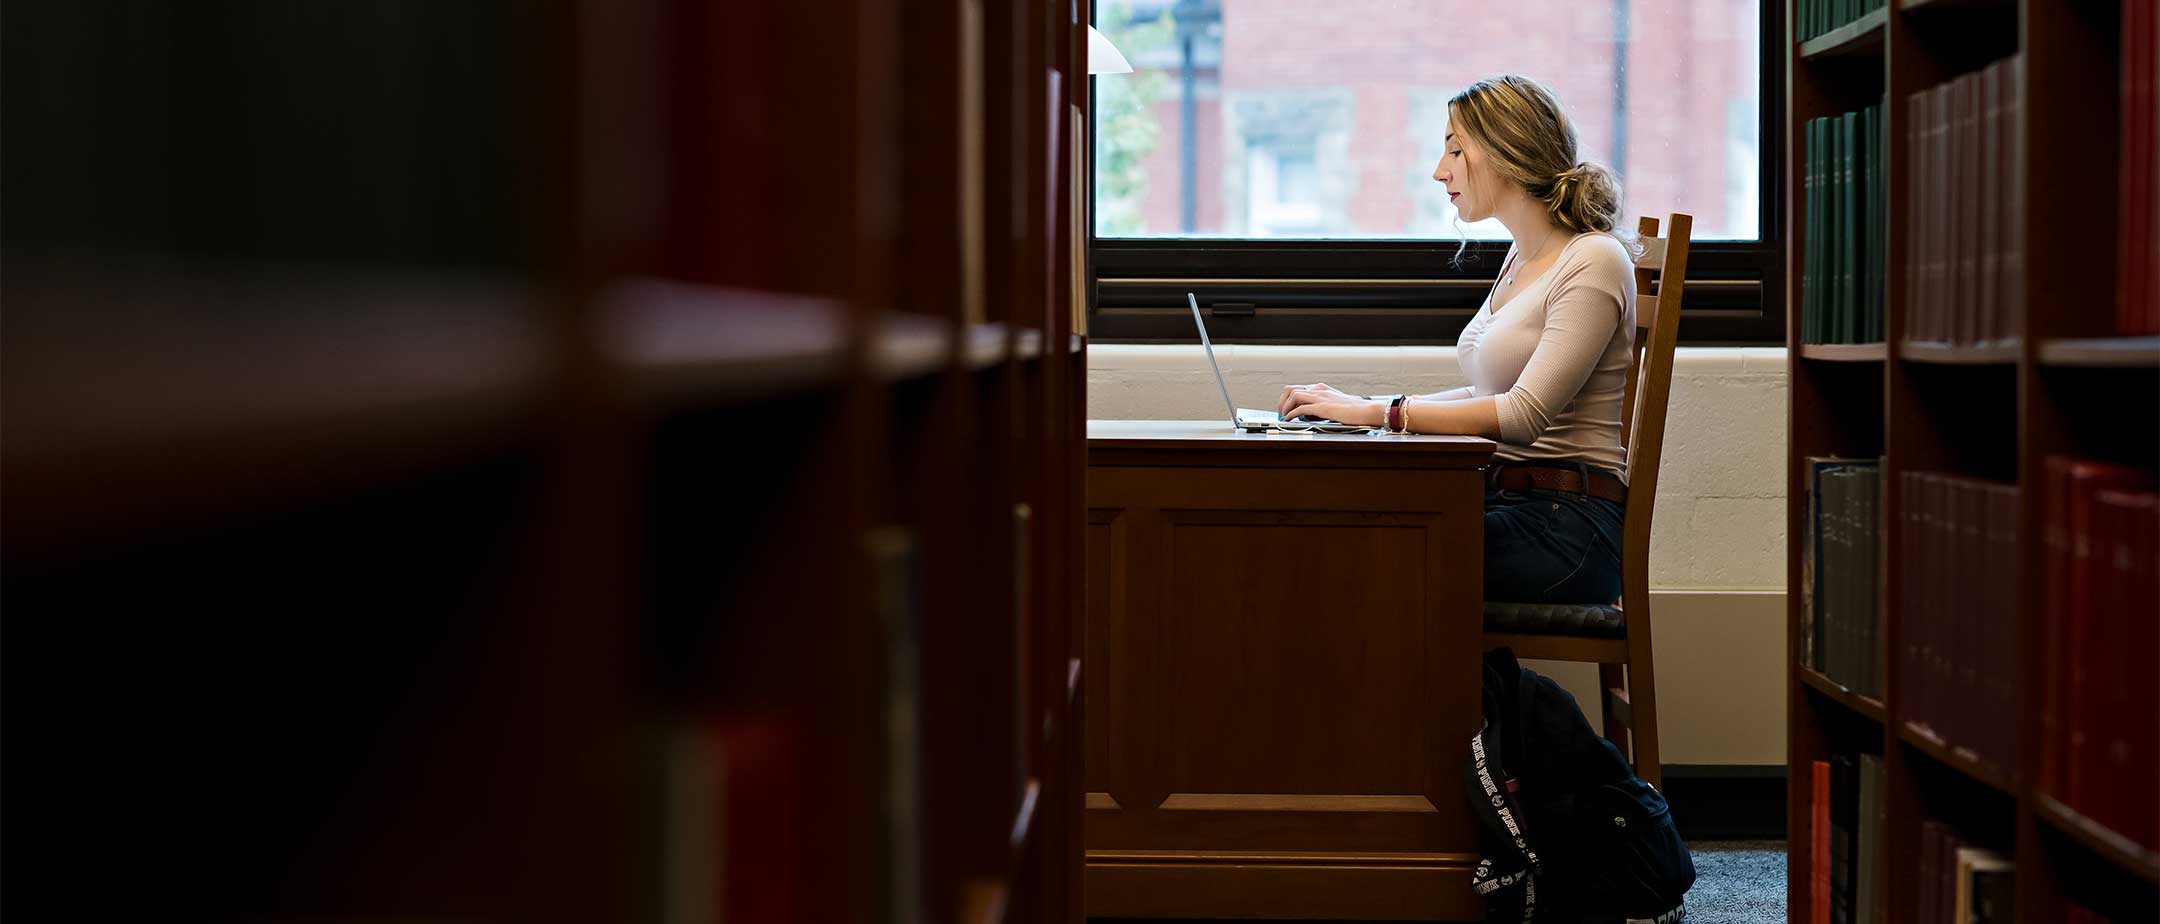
point(1103, 57)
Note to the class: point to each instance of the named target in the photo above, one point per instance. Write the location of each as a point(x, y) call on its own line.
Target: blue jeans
point(1546, 546)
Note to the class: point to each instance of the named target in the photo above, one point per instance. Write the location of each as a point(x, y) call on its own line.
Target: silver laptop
point(1250, 420)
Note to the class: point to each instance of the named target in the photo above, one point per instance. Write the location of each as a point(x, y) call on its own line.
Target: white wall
point(1717, 551)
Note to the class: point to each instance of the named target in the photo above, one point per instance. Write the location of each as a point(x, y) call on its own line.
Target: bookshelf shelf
point(2098, 838)
point(1862, 36)
point(2102, 352)
point(1844, 352)
point(1862, 706)
point(986, 345)
point(1934, 6)
point(192, 392)
point(1956, 759)
point(1946, 355)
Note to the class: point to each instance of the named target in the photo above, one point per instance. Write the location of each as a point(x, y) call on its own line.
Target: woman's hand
point(1321, 400)
point(1320, 391)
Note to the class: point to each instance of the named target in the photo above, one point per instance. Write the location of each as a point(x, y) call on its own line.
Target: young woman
point(1546, 355)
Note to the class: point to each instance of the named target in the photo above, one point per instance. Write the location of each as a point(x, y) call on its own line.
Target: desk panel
point(1284, 667)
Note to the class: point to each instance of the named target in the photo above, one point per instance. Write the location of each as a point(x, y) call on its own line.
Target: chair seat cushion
point(1593, 621)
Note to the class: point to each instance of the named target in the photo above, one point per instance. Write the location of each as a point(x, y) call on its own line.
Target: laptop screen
point(1228, 407)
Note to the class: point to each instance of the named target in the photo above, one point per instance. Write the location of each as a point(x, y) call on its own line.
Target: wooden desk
point(1255, 750)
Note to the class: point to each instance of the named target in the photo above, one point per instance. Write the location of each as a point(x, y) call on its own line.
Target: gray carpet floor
point(1737, 882)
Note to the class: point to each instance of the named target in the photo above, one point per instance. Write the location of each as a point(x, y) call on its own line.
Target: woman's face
point(1462, 171)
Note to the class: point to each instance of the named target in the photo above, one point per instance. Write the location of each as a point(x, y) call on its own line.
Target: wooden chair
point(1617, 638)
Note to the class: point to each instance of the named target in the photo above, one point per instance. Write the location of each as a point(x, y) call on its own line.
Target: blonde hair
point(1528, 139)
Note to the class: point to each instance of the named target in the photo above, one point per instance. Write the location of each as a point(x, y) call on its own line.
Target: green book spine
point(1805, 304)
point(1868, 230)
point(1810, 274)
point(1850, 226)
point(1832, 197)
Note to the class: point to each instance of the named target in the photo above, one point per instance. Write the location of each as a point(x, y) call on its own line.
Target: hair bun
point(1584, 197)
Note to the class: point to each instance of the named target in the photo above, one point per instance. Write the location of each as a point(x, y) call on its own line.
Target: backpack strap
point(1493, 797)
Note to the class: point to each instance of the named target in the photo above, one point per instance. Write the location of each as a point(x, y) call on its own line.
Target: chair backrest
point(1660, 273)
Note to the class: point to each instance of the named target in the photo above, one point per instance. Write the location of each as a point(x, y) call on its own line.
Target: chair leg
point(1610, 677)
point(1642, 695)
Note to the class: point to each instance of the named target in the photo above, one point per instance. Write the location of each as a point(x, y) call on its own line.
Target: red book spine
point(2014, 232)
point(1991, 218)
point(1942, 674)
point(2055, 518)
point(2087, 626)
point(763, 816)
point(2075, 703)
point(2126, 167)
point(1970, 191)
point(1923, 614)
point(2000, 677)
point(2138, 153)
point(1819, 844)
point(2152, 165)
point(1908, 581)
point(2144, 647)
point(1972, 613)
point(2108, 740)
point(1938, 262)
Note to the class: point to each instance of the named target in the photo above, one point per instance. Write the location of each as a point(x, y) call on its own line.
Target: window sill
point(1391, 361)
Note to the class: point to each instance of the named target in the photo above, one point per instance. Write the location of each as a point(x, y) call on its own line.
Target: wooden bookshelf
point(2102, 352)
point(2120, 851)
point(1933, 6)
point(1865, 706)
point(2064, 384)
point(1863, 37)
point(1958, 759)
point(394, 530)
point(1844, 352)
point(1947, 355)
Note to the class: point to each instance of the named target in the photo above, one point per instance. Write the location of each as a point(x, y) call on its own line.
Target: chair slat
point(1645, 312)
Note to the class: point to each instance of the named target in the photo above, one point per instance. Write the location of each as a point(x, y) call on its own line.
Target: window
point(1278, 154)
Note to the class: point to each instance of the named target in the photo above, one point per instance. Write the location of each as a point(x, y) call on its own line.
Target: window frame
point(1355, 291)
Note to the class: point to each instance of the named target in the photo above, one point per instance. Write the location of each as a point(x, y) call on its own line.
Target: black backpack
point(1571, 836)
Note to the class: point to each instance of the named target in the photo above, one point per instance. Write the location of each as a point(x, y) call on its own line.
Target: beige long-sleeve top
point(1555, 357)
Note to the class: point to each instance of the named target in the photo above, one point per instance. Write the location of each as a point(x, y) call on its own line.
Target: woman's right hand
point(1316, 392)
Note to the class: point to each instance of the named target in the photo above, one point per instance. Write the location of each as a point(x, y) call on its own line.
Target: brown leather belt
point(1522, 477)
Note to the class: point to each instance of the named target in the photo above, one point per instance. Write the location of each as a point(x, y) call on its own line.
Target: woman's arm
point(1468, 416)
point(1452, 394)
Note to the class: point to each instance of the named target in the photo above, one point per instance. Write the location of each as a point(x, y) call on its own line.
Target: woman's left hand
point(1330, 404)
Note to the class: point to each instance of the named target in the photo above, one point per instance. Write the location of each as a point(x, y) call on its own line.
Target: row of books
point(1841, 277)
point(2069, 912)
point(724, 799)
point(1841, 573)
point(1816, 17)
point(1957, 667)
point(2137, 262)
point(2100, 702)
point(1964, 254)
point(1961, 883)
point(1848, 815)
